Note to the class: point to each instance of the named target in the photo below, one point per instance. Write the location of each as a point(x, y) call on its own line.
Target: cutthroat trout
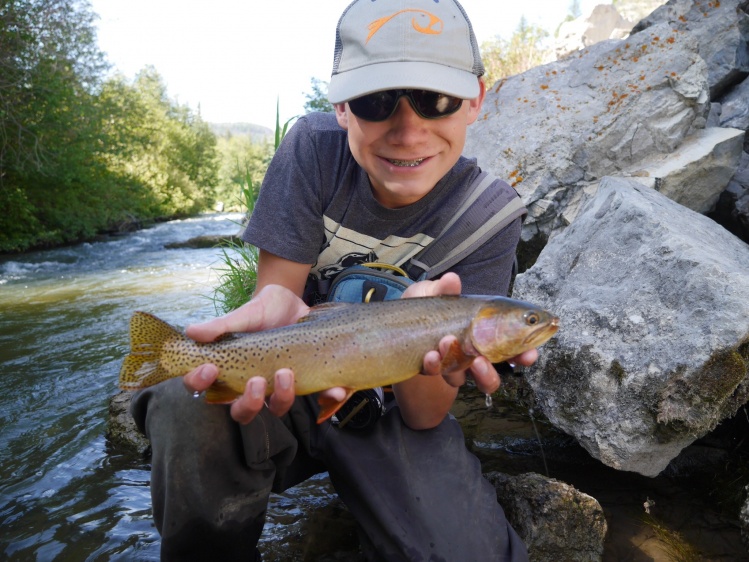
point(356, 346)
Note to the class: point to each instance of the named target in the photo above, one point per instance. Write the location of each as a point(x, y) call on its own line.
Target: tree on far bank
point(81, 155)
point(524, 50)
point(317, 99)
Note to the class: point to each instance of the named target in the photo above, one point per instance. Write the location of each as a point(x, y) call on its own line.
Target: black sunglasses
point(379, 106)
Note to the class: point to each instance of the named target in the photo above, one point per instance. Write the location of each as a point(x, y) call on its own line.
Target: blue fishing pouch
point(368, 283)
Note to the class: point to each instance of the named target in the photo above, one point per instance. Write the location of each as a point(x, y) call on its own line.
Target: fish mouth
point(543, 332)
point(405, 163)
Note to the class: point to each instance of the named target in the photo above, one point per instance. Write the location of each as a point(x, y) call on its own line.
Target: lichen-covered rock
point(557, 522)
point(615, 108)
point(560, 127)
point(722, 30)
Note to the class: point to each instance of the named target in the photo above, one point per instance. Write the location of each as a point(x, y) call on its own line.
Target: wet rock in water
point(653, 349)
point(744, 519)
point(201, 242)
point(556, 521)
point(121, 428)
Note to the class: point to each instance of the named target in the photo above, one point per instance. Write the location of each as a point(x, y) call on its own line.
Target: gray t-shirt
point(316, 207)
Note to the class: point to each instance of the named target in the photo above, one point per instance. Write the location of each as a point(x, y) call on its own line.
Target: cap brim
point(358, 82)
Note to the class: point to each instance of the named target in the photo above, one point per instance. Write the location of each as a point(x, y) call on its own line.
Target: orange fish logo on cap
point(433, 27)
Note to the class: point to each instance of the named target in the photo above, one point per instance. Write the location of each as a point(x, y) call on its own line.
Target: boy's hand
point(273, 306)
point(484, 374)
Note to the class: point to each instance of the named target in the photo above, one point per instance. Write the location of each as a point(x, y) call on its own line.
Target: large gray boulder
point(618, 108)
point(722, 29)
point(653, 349)
point(558, 128)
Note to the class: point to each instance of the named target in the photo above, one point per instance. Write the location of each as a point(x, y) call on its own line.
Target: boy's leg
point(210, 478)
point(419, 494)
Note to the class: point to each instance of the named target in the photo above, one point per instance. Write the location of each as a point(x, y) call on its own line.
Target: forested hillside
point(81, 153)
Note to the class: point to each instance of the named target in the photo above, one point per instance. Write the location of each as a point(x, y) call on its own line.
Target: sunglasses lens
point(433, 105)
point(380, 105)
point(375, 107)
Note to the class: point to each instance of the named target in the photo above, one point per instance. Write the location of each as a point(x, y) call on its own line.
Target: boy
point(375, 182)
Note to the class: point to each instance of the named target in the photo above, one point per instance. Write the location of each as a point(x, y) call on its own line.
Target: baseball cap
point(419, 44)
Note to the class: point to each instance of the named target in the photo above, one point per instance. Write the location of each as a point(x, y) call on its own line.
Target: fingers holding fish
point(248, 405)
point(244, 409)
point(283, 392)
point(485, 375)
point(526, 359)
point(448, 284)
point(200, 378)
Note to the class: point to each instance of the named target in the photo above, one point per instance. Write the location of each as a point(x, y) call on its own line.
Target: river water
point(66, 494)
point(63, 333)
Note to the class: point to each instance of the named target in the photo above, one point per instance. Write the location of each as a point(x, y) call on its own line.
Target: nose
point(405, 123)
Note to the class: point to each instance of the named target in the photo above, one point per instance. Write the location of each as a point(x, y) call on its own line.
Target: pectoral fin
point(455, 359)
point(329, 406)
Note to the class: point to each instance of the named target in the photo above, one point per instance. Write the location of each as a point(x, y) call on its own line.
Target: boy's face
point(405, 155)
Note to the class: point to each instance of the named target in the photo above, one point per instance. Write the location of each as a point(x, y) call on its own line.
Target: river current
point(63, 333)
point(66, 494)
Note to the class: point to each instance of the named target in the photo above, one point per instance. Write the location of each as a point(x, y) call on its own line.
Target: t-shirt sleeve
point(287, 219)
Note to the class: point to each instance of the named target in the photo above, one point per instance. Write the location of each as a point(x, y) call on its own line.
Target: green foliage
point(280, 132)
point(523, 51)
point(243, 164)
point(238, 276)
point(159, 146)
point(317, 100)
point(78, 155)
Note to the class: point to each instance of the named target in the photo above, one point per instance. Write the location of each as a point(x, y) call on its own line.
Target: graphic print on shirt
point(345, 247)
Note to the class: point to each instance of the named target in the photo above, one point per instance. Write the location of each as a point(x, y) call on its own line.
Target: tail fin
point(141, 367)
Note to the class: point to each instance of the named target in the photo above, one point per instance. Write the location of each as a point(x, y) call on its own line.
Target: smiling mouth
point(406, 163)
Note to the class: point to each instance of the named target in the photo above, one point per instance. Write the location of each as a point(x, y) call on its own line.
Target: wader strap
point(483, 213)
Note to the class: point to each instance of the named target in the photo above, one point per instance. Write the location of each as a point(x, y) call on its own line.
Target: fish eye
point(532, 318)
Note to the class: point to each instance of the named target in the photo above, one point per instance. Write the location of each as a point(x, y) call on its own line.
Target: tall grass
point(237, 276)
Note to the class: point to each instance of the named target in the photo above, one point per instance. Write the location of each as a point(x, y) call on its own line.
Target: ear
point(474, 105)
point(341, 115)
